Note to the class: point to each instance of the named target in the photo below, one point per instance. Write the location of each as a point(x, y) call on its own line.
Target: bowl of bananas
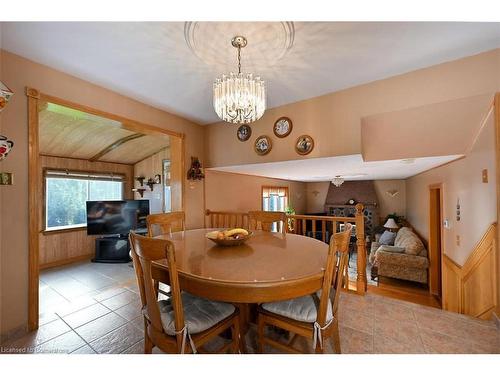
point(229, 237)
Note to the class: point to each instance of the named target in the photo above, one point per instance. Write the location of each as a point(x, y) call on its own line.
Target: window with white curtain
point(67, 192)
point(274, 198)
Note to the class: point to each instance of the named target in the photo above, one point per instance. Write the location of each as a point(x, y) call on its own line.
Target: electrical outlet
point(458, 240)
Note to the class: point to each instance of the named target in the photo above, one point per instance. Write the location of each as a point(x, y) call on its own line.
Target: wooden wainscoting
point(472, 288)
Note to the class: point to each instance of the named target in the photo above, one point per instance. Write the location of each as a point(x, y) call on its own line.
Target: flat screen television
point(116, 217)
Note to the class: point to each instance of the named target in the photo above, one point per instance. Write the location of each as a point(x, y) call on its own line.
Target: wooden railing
point(319, 227)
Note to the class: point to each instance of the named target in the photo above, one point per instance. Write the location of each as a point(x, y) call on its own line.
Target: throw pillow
point(387, 238)
point(392, 249)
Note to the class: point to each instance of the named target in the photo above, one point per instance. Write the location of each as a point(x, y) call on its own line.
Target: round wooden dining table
point(267, 267)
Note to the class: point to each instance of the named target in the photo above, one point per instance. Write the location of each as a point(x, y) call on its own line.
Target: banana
point(232, 232)
point(213, 235)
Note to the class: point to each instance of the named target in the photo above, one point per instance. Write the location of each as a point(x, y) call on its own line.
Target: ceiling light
point(239, 98)
point(337, 181)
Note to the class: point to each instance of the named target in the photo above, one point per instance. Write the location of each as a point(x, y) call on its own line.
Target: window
point(66, 194)
point(274, 198)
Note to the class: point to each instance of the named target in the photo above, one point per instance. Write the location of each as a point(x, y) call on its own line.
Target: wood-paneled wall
point(63, 247)
point(472, 288)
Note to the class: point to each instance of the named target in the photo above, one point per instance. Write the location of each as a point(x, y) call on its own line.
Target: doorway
point(114, 143)
point(435, 239)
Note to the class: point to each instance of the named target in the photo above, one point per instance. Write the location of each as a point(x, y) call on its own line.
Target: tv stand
point(112, 249)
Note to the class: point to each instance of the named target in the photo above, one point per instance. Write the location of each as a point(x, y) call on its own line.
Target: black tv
point(116, 217)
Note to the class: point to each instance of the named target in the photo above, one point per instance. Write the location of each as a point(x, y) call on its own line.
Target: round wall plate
point(244, 132)
point(304, 144)
point(263, 145)
point(282, 127)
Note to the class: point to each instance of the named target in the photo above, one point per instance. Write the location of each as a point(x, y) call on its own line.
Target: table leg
point(244, 325)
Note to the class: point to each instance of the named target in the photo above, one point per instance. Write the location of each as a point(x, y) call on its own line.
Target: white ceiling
point(155, 64)
point(350, 167)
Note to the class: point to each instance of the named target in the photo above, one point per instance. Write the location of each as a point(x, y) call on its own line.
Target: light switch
point(446, 224)
point(485, 176)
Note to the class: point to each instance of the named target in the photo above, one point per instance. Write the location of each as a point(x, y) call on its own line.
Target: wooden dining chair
point(183, 322)
point(166, 222)
point(266, 219)
point(314, 316)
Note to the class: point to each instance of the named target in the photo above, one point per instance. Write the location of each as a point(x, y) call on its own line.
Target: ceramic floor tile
point(118, 340)
point(131, 310)
point(85, 315)
point(359, 320)
point(436, 342)
point(100, 326)
point(405, 332)
point(70, 288)
point(354, 341)
point(86, 349)
point(44, 333)
point(65, 343)
point(387, 345)
point(393, 311)
point(120, 300)
point(137, 348)
point(108, 293)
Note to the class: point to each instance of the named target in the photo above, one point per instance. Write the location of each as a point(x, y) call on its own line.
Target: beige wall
point(316, 193)
point(18, 73)
point(149, 168)
point(59, 247)
point(334, 120)
point(461, 179)
point(242, 193)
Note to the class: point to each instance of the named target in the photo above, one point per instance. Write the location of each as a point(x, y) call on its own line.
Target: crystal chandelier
point(239, 98)
point(337, 181)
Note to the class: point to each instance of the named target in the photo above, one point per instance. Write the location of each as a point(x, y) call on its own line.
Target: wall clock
point(263, 145)
point(282, 127)
point(244, 132)
point(304, 144)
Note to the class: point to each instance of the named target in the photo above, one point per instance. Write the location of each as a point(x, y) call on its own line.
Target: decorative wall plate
point(263, 145)
point(244, 132)
point(282, 127)
point(304, 144)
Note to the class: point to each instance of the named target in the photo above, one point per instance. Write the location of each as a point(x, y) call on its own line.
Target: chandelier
point(239, 98)
point(337, 181)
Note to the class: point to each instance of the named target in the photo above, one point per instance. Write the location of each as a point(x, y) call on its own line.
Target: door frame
point(436, 285)
point(34, 98)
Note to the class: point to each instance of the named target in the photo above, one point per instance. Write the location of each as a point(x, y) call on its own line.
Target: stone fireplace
point(337, 202)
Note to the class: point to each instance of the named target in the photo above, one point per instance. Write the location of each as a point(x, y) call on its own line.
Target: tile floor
point(92, 308)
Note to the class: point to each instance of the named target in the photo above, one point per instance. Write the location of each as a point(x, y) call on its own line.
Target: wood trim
point(126, 123)
point(461, 284)
point(34, 208)
point(497, 159)
point(62, 262)
point(114, 145)
point(435, 259)
point(35, 97)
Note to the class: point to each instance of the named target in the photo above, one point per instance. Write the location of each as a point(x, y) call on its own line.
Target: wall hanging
point(5, 95)
point(282, 127)
point(263, 145)
point(304, 144)
point(195, 172)
point(5, 146)
point(244, 132)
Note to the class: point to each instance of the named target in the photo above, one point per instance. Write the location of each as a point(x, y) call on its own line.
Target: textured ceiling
point(172, 65)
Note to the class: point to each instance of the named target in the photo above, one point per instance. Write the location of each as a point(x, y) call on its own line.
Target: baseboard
point(496, 318)
point(63, 262)
point(13, 334)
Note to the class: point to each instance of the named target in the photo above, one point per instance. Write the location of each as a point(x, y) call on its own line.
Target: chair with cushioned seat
point(184, 322)
point(266, 219)
point(313, 316)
